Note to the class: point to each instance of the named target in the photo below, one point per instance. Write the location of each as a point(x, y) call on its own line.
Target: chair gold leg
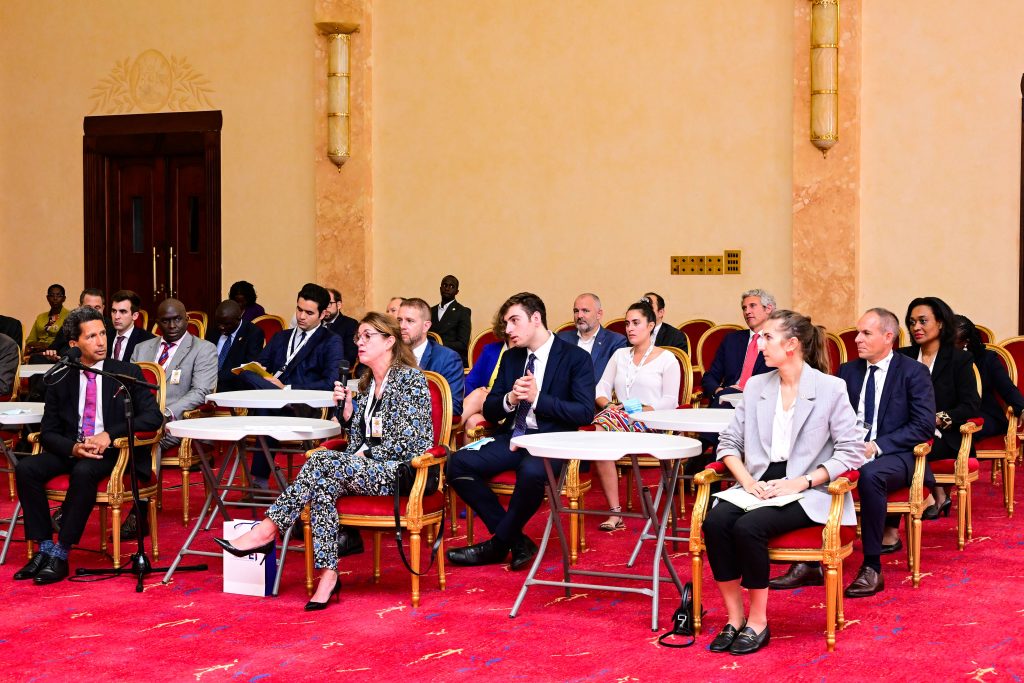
point(629, 489)
point(840, 613)
point(430, 535)
point(103, 529)
point(682, 498)
point(160, 490)
point(961, 518)
point(970, 515)
point(115, 532)
point(185, 477)
point(1008, 482)
point(414, 560)
point(915, 543)
point(153, 532)
point(583, 527)
point(831, 600)
point(453, 511)
point(696, 574)
point(469, 525)
point(441, 580)
point(377, 535)
point(307, 542)
point(574, 531)
point(10, 482)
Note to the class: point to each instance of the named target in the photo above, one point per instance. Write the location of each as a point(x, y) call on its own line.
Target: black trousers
point(737, 541)
point(877, 478)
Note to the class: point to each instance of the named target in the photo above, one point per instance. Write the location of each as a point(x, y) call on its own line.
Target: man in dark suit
point(589, 335)
point(738, 358)
point(895, 405)
point(451, 320)
point(124, 311)
point(342, 325)
point(12, 328)
point(544, 384)
point(77, 442)
point(414, 321)
point(10, 354)
point(238, 342)
point(665, 335)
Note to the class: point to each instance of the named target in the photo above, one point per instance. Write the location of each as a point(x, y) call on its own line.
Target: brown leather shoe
point(867, 583)
point(800, 574)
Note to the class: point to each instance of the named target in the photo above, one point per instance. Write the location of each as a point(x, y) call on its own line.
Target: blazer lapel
point(860, 368)
point(942, 359)
point(306, 349)
point(765, 409)
point(551, 369)
point(427, 352)
point(804, 403)
point(184, 346)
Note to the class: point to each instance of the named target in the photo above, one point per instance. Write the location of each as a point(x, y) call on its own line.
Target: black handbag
point(682, 621)
point(405, 475)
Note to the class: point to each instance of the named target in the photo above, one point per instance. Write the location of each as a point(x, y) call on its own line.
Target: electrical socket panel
point(733, 262)
point(712, 264)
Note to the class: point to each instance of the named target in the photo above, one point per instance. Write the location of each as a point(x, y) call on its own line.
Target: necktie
point(89, 412)
point(869, 402)
point(164, 353)
point(749, 360)
point(524, 406)
point(117, 346)
point(298, 342)
point(225, 347)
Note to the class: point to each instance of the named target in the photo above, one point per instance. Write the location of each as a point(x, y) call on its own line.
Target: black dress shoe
point(723, 641)
point(748, 642)
point(53, 571)
point(890, 548)
point(523, 552)
point(350, 542)
point(867, 583)
point(491, 551)
point(33, 567)
point(800, 574)
point(237, 552)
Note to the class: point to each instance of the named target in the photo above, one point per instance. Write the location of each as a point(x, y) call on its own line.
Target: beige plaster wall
point(258, 58)
point(941, 108)
point(570, 146)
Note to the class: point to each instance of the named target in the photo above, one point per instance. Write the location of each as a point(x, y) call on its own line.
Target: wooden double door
point(152, 207)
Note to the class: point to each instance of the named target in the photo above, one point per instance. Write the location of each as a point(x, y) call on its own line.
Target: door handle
point(170, 274)
point(154, 273)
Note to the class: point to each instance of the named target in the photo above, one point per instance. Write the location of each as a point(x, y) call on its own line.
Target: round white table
point(37, 369)
point(669, 450)
point(732, 399)
point(708, 420)
point(16, 414)
point(272, 398)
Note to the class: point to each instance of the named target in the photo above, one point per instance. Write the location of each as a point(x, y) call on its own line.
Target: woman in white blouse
point(640, 373)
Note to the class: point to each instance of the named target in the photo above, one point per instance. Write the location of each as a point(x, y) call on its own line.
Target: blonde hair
point(401, 354)
point(810, 336)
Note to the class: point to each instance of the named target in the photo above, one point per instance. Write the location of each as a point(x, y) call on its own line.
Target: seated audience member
point(124, 311)
point(93, 298)
point(245, 295)
point(997, 390)
point(12, 328)
point(481, 377)
point(738, 358)
point(665, 335)
point(238, 342)
point(893, 428)
point(414, 321)
point(341, 325)
point(47, 324)
point(638, 372)
point(393, 305)
point(10, 354)
point(794, 433)
point(77, 441)
point(589, 335)
point(392, 393)
point(451, 320)
point(932, 341)
point(544, 384)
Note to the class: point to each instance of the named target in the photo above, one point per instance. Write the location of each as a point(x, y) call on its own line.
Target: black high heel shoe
point(946, 507)
point(313, 606)
point(237, 552)
point(935, 511)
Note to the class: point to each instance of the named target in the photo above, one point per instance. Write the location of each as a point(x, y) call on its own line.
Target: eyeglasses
point(367, 336)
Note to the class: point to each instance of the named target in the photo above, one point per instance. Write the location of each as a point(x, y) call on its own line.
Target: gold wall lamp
point(824, 74)
point(338, 116)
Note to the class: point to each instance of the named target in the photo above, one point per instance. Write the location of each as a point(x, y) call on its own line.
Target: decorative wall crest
point(151, 82)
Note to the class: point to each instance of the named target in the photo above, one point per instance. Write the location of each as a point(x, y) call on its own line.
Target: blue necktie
point(869, 402)
point(524, 406)
point(223, 357)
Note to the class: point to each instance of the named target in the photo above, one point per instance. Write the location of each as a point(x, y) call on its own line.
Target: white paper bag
point(250, 575)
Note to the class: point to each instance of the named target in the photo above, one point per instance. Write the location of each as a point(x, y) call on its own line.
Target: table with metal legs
point(16, 414)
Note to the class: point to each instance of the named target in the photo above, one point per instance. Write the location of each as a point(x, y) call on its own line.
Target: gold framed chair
point(183, 457)
point(707, 347)
point(476, 346)
point(836, 352)
point(616, 325)
point(961, 473)
point(436, 337)
point(10, 438)
point(565, 327)
point(987, 335)
point(694, 329)
point(1003, 450)
point(199, 316)
point(269, 325)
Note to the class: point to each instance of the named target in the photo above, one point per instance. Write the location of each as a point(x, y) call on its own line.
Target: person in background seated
point(84, 414)
point(589, 335)
point(124, 311)
point(997, 390)
point(238, 342)
point(245, 295)
point(544, 384)
point(48, 324)
point(638, 372)
point(91, 297)
point(932, 341)
point(451, 320)
point(481, 377)
point(794, 432)
point(414, 321)
point(12, 328)
point(393, 305)
point(10, 354)
point(738, 358)
point(665, 335)
point(341, 325)
point(393, 395)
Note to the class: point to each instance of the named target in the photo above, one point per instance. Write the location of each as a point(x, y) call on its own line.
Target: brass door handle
point(154, 273)
point(170, 274)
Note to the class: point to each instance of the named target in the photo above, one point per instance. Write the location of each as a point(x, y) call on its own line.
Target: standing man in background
point(451, 320)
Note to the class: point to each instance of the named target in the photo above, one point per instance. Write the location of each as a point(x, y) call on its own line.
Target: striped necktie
point(524, 406)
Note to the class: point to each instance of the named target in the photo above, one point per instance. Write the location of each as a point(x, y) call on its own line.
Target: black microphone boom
point(61, 367)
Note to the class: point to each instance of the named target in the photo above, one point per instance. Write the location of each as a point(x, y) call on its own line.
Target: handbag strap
point(683, 621)
point(398, 525)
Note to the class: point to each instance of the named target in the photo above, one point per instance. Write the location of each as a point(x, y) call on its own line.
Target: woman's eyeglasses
point(367, 336)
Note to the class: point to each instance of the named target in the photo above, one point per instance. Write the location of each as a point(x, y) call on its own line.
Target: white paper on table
point(18, 411)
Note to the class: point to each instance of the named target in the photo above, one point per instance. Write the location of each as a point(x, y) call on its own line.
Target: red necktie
point(89, 411)
point(117, 347)
point(164, 354)
point(749, 360)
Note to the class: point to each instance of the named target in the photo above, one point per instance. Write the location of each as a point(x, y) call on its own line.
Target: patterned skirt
point(616, 421)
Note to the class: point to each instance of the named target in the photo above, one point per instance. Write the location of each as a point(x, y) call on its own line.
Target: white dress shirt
point(880, 374)
point(782, 431)
point(586, 344)
point(99, 398)
point(228, 339)
point(655, 383)
point(170, 351)
point(419, 351)
point(443, 308)
point(539, 365)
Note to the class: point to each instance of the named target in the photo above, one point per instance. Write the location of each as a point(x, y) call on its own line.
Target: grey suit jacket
point(197, 360)
point(825, 433)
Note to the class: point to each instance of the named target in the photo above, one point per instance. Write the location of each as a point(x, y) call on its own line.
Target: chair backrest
point(1014, 346)
point(709, 342)
point(616, 325)
point(685, 374)
point(848, 337)
point(986, 334)
point(440, 407)
point(436, 337)
point(154, 374)
point(199, 316)
point(270, 325)
point(571, 325)
point(694, 330)
point(476, 347)
point(836, 352)
point(1006, 358)
point(142, 322)
point(977, 377)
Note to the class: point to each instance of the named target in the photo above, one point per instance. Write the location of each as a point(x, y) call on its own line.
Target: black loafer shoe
point(490, 551)
point(748, 642)
point(867, 583)
point(800, 574)
point(723, 641)
point(55, 570)
point(350, 542)
point(892, 547)
point(33, 567)
point(523, 552)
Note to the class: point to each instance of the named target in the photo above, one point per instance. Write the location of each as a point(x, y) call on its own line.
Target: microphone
point(61, 366)
point(343, 370)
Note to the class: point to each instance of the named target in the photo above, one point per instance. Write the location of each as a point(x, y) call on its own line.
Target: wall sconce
point(824, 74)
point(338, 119)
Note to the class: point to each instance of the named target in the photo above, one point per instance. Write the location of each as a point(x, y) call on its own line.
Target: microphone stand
point(139, 564)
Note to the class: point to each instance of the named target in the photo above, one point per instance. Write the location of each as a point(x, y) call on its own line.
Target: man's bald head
point(172, 319)
point(227, 316)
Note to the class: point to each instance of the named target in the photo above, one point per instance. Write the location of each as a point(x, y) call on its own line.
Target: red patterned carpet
point(965, 622)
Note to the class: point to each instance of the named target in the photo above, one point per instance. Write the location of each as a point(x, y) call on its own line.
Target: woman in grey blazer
point(794, 432)
point(389, 423)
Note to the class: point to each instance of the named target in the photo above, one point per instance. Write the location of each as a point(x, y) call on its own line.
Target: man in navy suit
point(664, 335)
point(238, 342)
point(414, 321)
point(590, 335)
point(738, 358)
point(895, 404)
point(124, 311)
point(544, 384)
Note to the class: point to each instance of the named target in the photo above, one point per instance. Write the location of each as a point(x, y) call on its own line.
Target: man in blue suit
point(895, 404)
point(238, 342)
point(590, 335)
point(544, 384)
point(414, 321)
point(738, 358)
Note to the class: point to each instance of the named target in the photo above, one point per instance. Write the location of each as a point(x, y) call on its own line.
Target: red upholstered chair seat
point(949, 466)
point(383, 506)
point(900, 496)
point(989, 443)
point(61, 482)
point(508, 477)
point(810, 537)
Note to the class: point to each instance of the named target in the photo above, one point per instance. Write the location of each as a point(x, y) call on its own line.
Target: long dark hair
point(810, 336)
point(943, 316)
point(968, 334)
